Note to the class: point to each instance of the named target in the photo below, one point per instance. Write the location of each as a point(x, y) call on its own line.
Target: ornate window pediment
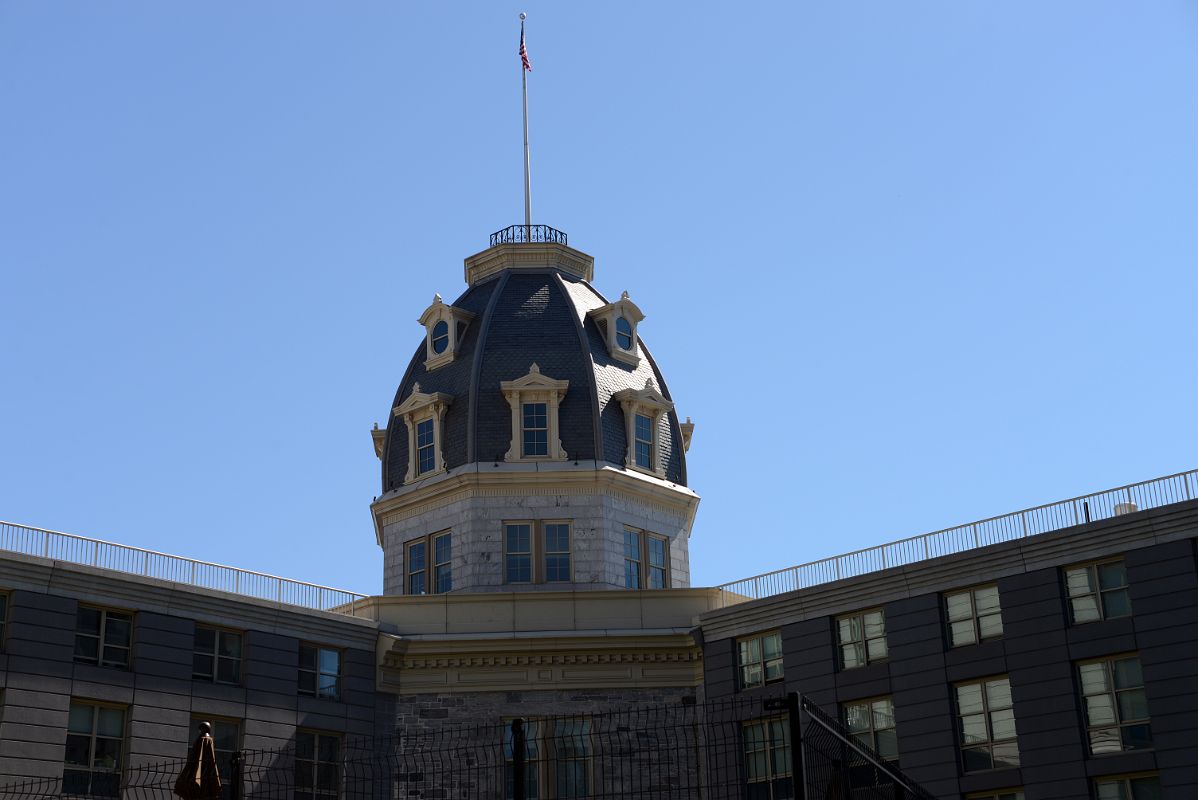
point(424, 415)
point(444, 327)
point(617, 322)
point(534, 399)
point(643, 409)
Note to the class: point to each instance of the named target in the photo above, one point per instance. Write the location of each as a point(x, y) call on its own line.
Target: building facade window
point(1098, 591)
point(557, 552)
point(862, 638)
point(3, 616)
point(430, 564)
point(440, 337)
point(767, 759)
point(94, 750)
point(103, 637)
point(974, 615)
point(871, 723)
point(320, 671)
point(759, 659)
point(643, 412)
point(986, 724)
point(517, 558)
point(558, 759)
point(444, 329)
point(226, 740)
point(1128, 787)
point(534, 400)
point(624, 334)
point(1115, 704)
point(646, 560)
point(317, 765)
point(536, 551)
point(217, 655)
point(1001, 794)
point(423, 413)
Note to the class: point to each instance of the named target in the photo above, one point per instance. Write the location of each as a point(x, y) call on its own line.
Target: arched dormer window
point(617, 322)
point(643, 410)
point(444, 327)
point(534, 400)
point(424, 416)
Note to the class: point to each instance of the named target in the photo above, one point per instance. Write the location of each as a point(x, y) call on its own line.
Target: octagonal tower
point(533, 443)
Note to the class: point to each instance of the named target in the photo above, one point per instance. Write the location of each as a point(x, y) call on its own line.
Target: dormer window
point(534, 400)
point(617, 322)
point(643, 409)
point(424, 415)
point(444, 327)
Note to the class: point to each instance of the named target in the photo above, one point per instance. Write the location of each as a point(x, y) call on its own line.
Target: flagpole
point(527, 180)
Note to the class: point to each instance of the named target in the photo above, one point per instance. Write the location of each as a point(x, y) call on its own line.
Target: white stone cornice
point(538, 255)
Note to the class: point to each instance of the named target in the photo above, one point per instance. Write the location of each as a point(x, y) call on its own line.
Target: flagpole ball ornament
point(523, 16)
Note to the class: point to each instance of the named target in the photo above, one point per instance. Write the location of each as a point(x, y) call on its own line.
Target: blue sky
point(905, 264)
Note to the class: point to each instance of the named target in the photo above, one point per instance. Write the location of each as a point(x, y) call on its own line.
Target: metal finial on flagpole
point(524, 85)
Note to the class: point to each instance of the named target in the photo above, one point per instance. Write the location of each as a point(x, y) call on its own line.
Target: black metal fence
point(742, 748)
point(525, 234)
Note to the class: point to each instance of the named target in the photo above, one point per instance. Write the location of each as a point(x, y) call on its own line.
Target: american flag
point(524, 50)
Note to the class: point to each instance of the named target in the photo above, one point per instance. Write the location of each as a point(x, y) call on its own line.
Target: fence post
point(235, 776)
point(798, 776)
point(518, 759)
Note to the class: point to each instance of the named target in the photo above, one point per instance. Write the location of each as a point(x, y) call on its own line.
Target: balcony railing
point(972, 535)
point(525, 234)
point(176, 569)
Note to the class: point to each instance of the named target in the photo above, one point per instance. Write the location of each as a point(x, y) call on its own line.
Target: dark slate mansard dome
point(523, 317)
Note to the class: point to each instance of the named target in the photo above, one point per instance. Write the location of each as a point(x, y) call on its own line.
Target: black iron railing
point(525, 234)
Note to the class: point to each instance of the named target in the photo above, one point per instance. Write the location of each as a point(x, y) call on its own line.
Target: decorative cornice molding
point(539, 255)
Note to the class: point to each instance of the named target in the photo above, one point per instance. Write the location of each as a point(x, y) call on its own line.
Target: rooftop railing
point(526, 234)
point(176, 569)
point(970, 536)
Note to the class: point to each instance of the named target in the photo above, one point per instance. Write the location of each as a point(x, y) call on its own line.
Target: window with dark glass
point(986, 724)
point(426, 448)
point(1128, 787)
point(1098, 591)
point(759, 659)
point(632, 559)
point(557, 758)
point(862, 638)
point(317, 765)
point(442, 563)
point(226, 740)
point(871, 723)
point(1116, 706)
point(417, 567)
point(974, 615)
point(535, 765)
point(440, 336)
point(94, 751)
point(437, 576)
point(557, 552)
point(103, 637)
point(657, 561)
point(518, 555)
point(646, 560)
point(623, 334)
point(217, 655)
point(536, 429)
point(3, 616)
point(320, 671)
point(572, 756)
point(1001, 794)
point(767, 759)
point(644, 441)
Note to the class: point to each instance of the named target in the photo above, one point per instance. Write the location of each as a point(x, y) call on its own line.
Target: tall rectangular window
point(986, 723)
point(443, 562)
point(871, 723)
point(426, 449)
point(94, 751)
point(1115, 703)
point(974, 615)
point(862, 638)
point(1128, 787)
point(317, 765)
point(644, 441)
point(632, 559)
point(429, 564)
point(217, 655)
point(759, 659)
point(518, 552)
point(320, 671)
point(103, 637)
point(572, 757)
point(557, 552)
point(226, 740)
point(417, 567)
point(1098, 591)
point(767, 759)
point(536, 429)
point(534, 763)
point(657, 561)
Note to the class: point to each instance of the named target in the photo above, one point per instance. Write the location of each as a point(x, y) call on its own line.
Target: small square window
point(217, 655)
point(862, 638)
point(974, 615)
point(320, 671)
point(1098, 591)
point(759, 659)
point(103, 637)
